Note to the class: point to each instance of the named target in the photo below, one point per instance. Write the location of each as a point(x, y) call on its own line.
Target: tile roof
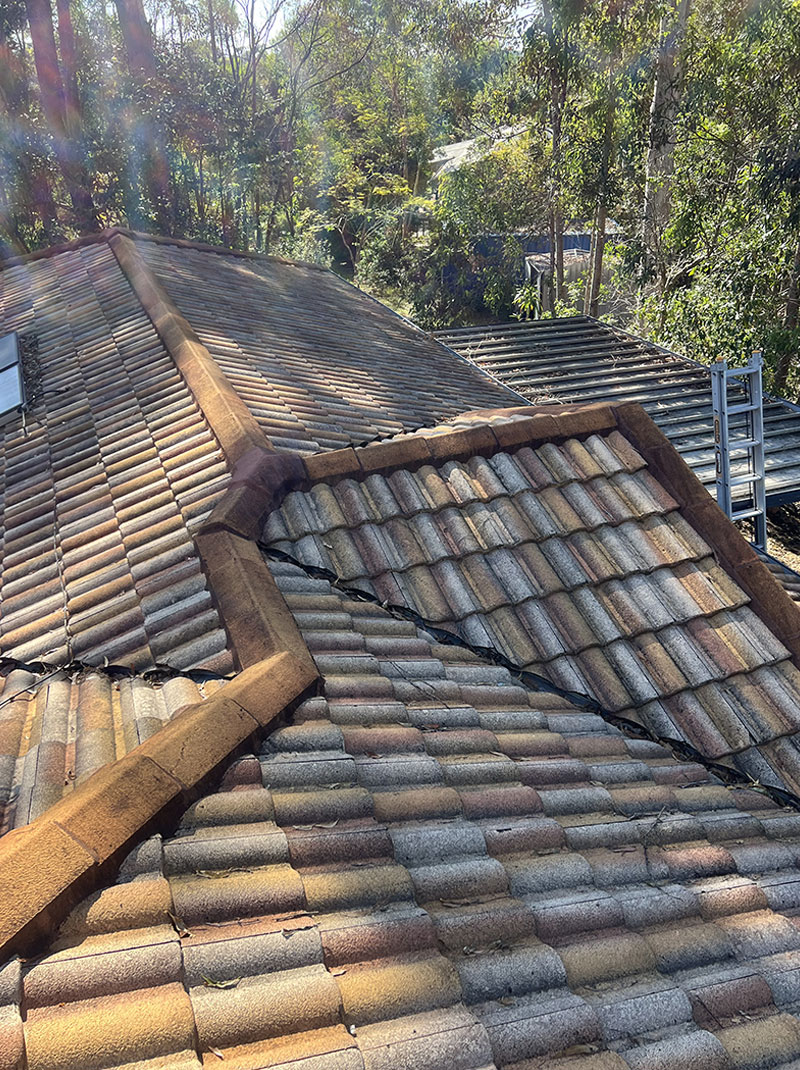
point(319, 363)
point(571, 560)
point(57, 729)
point(432, 867)
point(113, 469)
point(430, 862)
point(114, 465)
point(577, 359)
point(786, 577)
point(103, 480)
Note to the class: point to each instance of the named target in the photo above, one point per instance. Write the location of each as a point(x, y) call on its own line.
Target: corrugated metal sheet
point(578, 359)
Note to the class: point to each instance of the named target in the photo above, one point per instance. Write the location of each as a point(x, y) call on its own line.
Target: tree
point(138, 42)
point(667, 89)
point(60, 115)
point(551, 50)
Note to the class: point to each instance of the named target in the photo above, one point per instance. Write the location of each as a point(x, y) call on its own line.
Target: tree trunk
point(51, 90)
point(596, 276)
point(558, 97)
point(661, 145)
point(592, 300)
point(137, 38)
point(212, 32)
point(142, 66)
point(45, 206)
point(73, 113)
point(31, 182)
point(587, 294)
point(790, 319)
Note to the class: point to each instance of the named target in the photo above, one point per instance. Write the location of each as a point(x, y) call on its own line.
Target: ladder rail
point(750, 381)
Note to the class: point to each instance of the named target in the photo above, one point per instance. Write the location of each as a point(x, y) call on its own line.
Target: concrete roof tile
point(761, 1042)
point(646, 1008)
point(230, 863)
point(445, 1039)
point(562, 916)
point(258, 1007)
point(394, 988)
point(98, 1032)
point(698, 1050)
point(538, 1025)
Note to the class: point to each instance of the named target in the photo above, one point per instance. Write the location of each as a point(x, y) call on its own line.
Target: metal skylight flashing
point(12, 386)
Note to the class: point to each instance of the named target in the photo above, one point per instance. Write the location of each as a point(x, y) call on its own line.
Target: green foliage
point(307, 127)
point(527, 302)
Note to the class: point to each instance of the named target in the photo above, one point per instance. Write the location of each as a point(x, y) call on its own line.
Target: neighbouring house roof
point(578, 359)
point(447, 159)
point(388, 832)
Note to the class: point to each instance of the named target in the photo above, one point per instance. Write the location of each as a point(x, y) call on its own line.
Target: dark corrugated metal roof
point(579, 359)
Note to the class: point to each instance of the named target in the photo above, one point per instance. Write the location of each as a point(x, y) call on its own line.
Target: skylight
point(12, 390)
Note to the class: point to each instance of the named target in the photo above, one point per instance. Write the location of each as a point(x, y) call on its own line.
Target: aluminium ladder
point(745, 440)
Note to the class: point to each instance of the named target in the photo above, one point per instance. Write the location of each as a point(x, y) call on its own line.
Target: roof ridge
point(49, 865)
point(231, 421)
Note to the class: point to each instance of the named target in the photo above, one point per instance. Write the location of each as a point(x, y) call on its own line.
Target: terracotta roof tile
point(306, 390)
point(592, 577)
point(449, 927)
point(100, 428)
point(55, 731)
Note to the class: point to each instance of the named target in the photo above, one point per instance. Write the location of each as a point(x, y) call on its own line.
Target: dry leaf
point(217, 1052)
point(178, 925)
point(209, 982)
point(213, 874)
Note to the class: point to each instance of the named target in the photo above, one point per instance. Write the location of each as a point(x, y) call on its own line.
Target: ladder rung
point(740, 373)
point(734, 410)
point(740, 481)
point(745, 444)
point(746, 514)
